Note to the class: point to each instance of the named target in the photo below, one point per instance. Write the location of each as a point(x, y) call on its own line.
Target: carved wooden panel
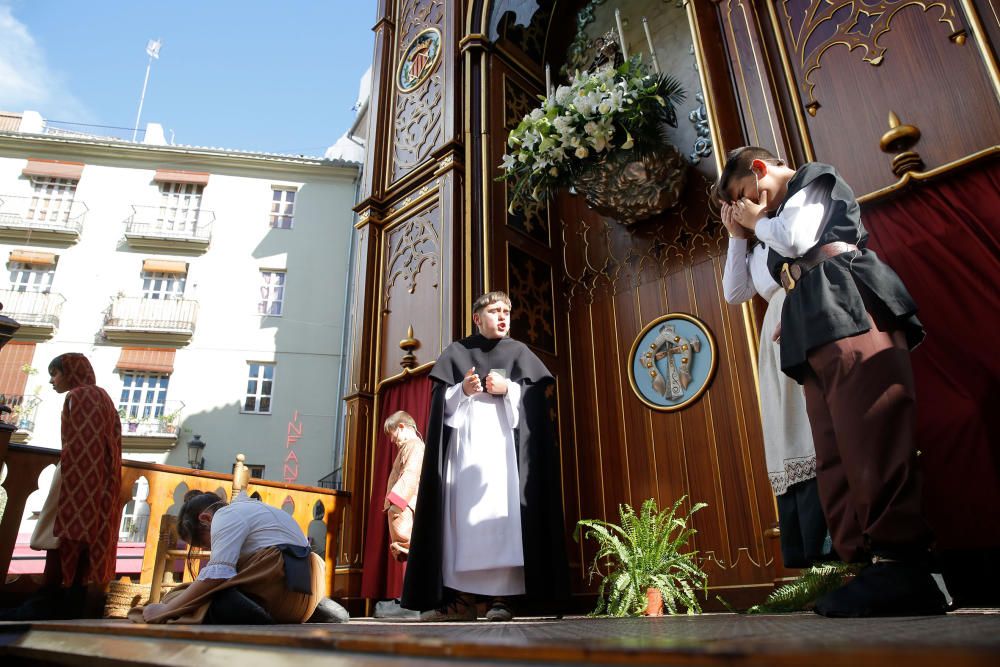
point(410, 293)
point(848, 63)
point(533, 314)
point(618, 450)
point(528, 217)
point(417, 123)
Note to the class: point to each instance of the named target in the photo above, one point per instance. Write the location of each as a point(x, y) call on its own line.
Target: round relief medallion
point(672, 362)
point(418, 60)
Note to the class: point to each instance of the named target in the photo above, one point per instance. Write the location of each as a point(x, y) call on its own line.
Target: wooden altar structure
point(809, 80)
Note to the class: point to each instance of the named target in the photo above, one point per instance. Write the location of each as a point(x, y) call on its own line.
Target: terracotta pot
point(654, 602)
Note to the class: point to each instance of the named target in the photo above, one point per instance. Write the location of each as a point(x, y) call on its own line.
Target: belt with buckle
point(791, 272)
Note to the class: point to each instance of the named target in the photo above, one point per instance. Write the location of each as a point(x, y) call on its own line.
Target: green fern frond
point(814, 583)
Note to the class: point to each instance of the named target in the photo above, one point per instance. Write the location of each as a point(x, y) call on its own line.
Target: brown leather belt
point(791, 272)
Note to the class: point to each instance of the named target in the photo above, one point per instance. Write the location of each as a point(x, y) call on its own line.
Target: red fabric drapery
point(943, 239)
point(382, 576)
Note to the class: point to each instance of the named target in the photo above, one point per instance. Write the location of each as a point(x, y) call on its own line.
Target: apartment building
point(206, 286)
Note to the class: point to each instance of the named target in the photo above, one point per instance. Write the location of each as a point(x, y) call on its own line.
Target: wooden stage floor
point(965, 638)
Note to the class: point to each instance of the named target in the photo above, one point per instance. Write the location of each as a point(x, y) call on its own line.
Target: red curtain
point(381, 575)
point(943, 239)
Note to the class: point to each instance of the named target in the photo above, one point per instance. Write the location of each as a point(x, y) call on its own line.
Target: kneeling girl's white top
point(246, 526)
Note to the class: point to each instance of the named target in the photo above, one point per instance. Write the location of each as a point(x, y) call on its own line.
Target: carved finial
point(408, 345)
point(241, 474)
point(900, 139)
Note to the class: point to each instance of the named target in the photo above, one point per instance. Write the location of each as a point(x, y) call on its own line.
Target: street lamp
point(196, 453)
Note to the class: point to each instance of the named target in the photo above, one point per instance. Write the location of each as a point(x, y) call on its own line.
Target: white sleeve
point(737, 286)
point(456, 405)
point(797, 228)
point(512, 403)
point(229, 533)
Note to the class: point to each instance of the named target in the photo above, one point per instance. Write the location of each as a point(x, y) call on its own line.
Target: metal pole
point(142, 98)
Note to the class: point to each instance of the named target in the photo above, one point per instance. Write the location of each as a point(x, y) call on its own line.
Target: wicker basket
point(122, 596)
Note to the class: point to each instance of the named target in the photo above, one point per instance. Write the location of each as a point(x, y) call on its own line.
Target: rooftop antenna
point(153, 49)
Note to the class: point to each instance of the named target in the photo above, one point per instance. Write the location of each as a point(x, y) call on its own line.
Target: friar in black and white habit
point(490, 522)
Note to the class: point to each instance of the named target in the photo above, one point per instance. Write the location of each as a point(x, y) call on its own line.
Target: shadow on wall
point(308, 334)
point(213, 426)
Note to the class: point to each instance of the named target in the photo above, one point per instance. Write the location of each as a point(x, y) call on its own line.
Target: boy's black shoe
point(886, 588)
point(231, 607)
point(328, 611)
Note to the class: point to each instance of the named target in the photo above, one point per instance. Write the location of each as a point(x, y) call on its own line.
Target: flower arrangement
point(599, 112)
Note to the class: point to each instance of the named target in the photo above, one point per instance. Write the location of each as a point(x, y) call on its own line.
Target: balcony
point(24, 219)
point(20, 413)
point(157, 321)
point(151, 228)
point(151, 428)
point(36, 312)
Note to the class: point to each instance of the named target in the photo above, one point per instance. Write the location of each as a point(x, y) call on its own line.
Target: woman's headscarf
point(89, 508)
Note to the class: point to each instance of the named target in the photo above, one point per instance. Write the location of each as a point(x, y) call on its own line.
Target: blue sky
point(262, 75)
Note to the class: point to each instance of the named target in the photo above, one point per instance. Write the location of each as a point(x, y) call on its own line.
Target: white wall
point(210, 373)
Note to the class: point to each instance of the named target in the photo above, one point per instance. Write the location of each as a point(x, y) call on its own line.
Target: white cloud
point(28, 82)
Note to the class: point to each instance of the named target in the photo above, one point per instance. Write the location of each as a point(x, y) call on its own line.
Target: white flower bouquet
point(599, 112)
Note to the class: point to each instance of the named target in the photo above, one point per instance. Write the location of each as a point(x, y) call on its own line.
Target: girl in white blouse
point(261, 568)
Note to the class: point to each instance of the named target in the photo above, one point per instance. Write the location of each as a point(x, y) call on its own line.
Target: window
point(31, 277)
point(272, 292)
point(256, 471)
point(180, 205)
point(144, 396)
point(282, 208)
point(51, 199)
point(259, 386)
point(157, 285)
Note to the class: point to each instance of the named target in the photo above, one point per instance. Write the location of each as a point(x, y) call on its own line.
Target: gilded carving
point(530, 282)
point(411, 246)
point(417, 119)
point(815, 27)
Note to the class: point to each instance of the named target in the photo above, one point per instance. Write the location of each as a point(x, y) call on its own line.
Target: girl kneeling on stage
point(261, 569)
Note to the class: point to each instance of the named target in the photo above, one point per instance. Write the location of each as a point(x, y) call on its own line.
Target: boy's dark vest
point(833, 299)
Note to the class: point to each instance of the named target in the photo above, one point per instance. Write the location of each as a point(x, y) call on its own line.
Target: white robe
point(483, 551)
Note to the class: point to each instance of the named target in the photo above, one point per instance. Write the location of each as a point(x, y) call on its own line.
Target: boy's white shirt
point(243, 527)
point(797, 228)
point(746, 274)
point(483, 551)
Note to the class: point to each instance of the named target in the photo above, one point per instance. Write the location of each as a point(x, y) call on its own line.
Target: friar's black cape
point(546, 574)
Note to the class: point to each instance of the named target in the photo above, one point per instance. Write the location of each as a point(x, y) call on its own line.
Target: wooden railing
point(167, 486)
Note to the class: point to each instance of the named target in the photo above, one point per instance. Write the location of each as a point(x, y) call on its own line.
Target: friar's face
point(493, 321)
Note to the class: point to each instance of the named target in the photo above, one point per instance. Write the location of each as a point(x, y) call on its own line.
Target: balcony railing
point(37, 214)
point(38, 311)
point(151, 320)
point(22, 411)
point(153, 227)
point(156, 420)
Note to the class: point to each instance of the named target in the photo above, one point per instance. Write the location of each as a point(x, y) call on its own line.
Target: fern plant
point(811, 585)
point(645, 552)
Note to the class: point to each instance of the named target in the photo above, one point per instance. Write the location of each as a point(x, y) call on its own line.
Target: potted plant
point(132, 422)
point(603, 135)
point(170, 421)
point(645, 562)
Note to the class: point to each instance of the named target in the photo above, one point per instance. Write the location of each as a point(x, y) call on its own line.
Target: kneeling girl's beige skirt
point(261, 577)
